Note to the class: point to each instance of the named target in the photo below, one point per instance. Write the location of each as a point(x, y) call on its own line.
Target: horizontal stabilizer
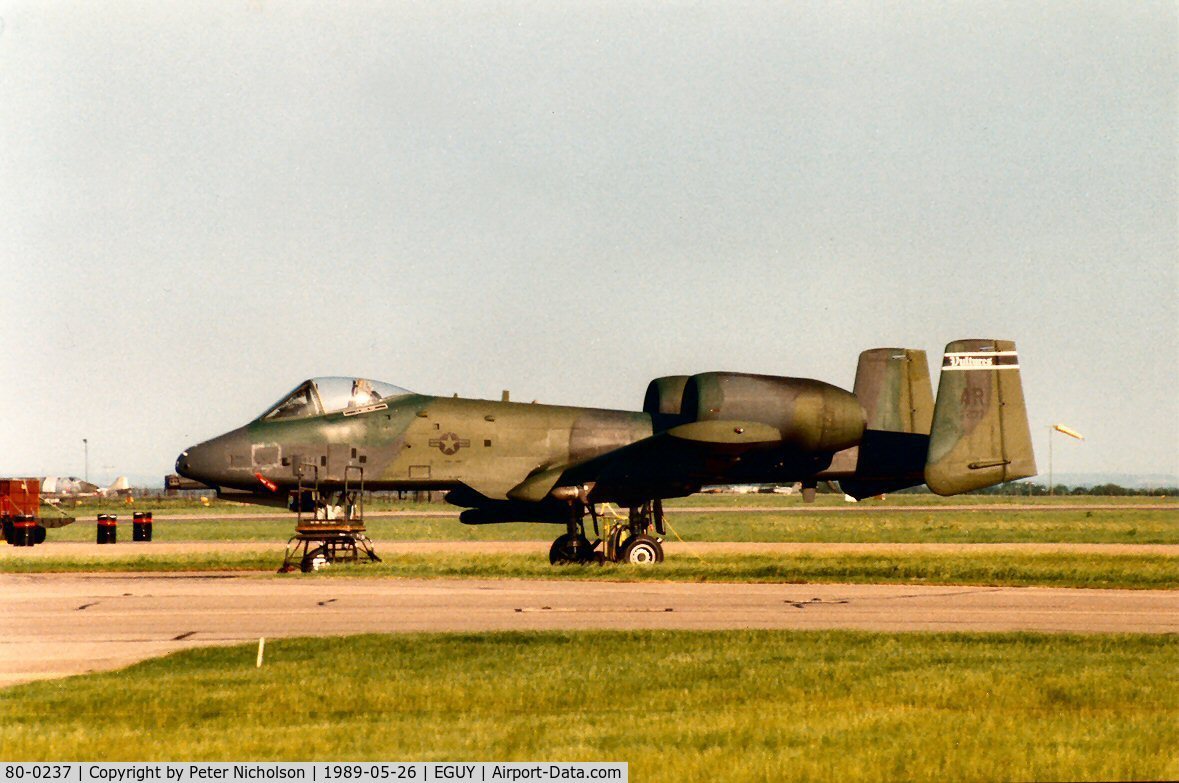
point(888, 461)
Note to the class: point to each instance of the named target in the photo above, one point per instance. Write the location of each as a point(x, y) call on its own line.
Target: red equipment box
point(20, 496)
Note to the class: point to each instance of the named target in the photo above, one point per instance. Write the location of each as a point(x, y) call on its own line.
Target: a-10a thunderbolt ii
point(506, 462)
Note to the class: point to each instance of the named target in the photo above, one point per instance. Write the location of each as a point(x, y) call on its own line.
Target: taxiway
point(61, 624)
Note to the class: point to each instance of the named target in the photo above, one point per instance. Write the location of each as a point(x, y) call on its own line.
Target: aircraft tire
point(642, 550)
point(561, 552)
point(307, 564)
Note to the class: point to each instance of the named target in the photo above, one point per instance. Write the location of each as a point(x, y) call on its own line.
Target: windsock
point(1068, 431)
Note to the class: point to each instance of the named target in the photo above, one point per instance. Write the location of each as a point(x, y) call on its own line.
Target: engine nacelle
point(665, 395)
point(811, 415)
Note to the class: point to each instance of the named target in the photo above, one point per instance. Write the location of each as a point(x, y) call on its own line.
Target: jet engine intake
point(663, 401)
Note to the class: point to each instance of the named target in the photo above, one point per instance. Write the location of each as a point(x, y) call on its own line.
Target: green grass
point(949, 526)
point(710, 706)
point(1054, 569)
point(1115, 526)
point(920, 499)
point(996, 524)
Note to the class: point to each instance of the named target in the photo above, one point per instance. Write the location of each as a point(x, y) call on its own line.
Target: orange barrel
point(108, 530)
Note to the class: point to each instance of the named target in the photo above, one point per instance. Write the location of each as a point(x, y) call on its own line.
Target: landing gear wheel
point(642, 550)
point(562, 551)
point(308, 564)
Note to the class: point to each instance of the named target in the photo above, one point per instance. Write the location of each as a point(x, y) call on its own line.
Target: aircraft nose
point(185, 461)
point(212, 462)
point(197, 463)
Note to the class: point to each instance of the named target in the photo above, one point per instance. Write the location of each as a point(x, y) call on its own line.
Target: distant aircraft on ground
point(54, 489)
point(507, 462)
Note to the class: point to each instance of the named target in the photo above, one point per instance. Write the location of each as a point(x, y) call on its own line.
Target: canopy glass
point(317, 396)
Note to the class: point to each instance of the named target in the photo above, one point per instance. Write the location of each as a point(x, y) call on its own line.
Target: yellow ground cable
point(681, 540)
point(613, 512)
point(609, 508)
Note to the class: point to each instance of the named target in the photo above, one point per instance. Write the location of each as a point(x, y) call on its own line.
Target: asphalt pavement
point(55, 625)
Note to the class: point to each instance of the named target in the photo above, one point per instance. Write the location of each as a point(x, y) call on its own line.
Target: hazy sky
point(202, 204)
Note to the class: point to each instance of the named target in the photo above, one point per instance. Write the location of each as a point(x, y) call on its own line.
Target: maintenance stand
point(326, 531)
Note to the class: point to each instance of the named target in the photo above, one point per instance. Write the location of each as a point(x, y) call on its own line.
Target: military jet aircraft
point(54, 489)
point(505, 461)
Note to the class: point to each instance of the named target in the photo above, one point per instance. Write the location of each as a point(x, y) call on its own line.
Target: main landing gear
point(637, 538)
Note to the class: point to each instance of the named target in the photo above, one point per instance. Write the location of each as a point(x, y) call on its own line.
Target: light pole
point(1067, 431)
point(86, 468)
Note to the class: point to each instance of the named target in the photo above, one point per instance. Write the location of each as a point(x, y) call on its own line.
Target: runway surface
point(60, 624)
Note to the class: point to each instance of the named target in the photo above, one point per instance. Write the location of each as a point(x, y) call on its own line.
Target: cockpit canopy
point(329, 395)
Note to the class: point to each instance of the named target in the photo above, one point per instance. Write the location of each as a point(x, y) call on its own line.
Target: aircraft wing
point(677, 460)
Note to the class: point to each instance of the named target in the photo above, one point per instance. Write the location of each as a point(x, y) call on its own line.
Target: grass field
point(903, 500)
point(1054, 569)
point(951, 525)
point(716, 706)
point(830, 521)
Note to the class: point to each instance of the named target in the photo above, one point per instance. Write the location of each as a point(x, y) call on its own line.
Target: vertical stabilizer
point(980, 434)
point(892, 385)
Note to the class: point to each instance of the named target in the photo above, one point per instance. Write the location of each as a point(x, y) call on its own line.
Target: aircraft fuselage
point(417, 442)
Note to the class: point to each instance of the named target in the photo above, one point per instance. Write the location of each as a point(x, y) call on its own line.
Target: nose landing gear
point(571, 548)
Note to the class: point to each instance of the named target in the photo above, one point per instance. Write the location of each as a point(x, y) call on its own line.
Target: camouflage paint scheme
point(509, 461)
